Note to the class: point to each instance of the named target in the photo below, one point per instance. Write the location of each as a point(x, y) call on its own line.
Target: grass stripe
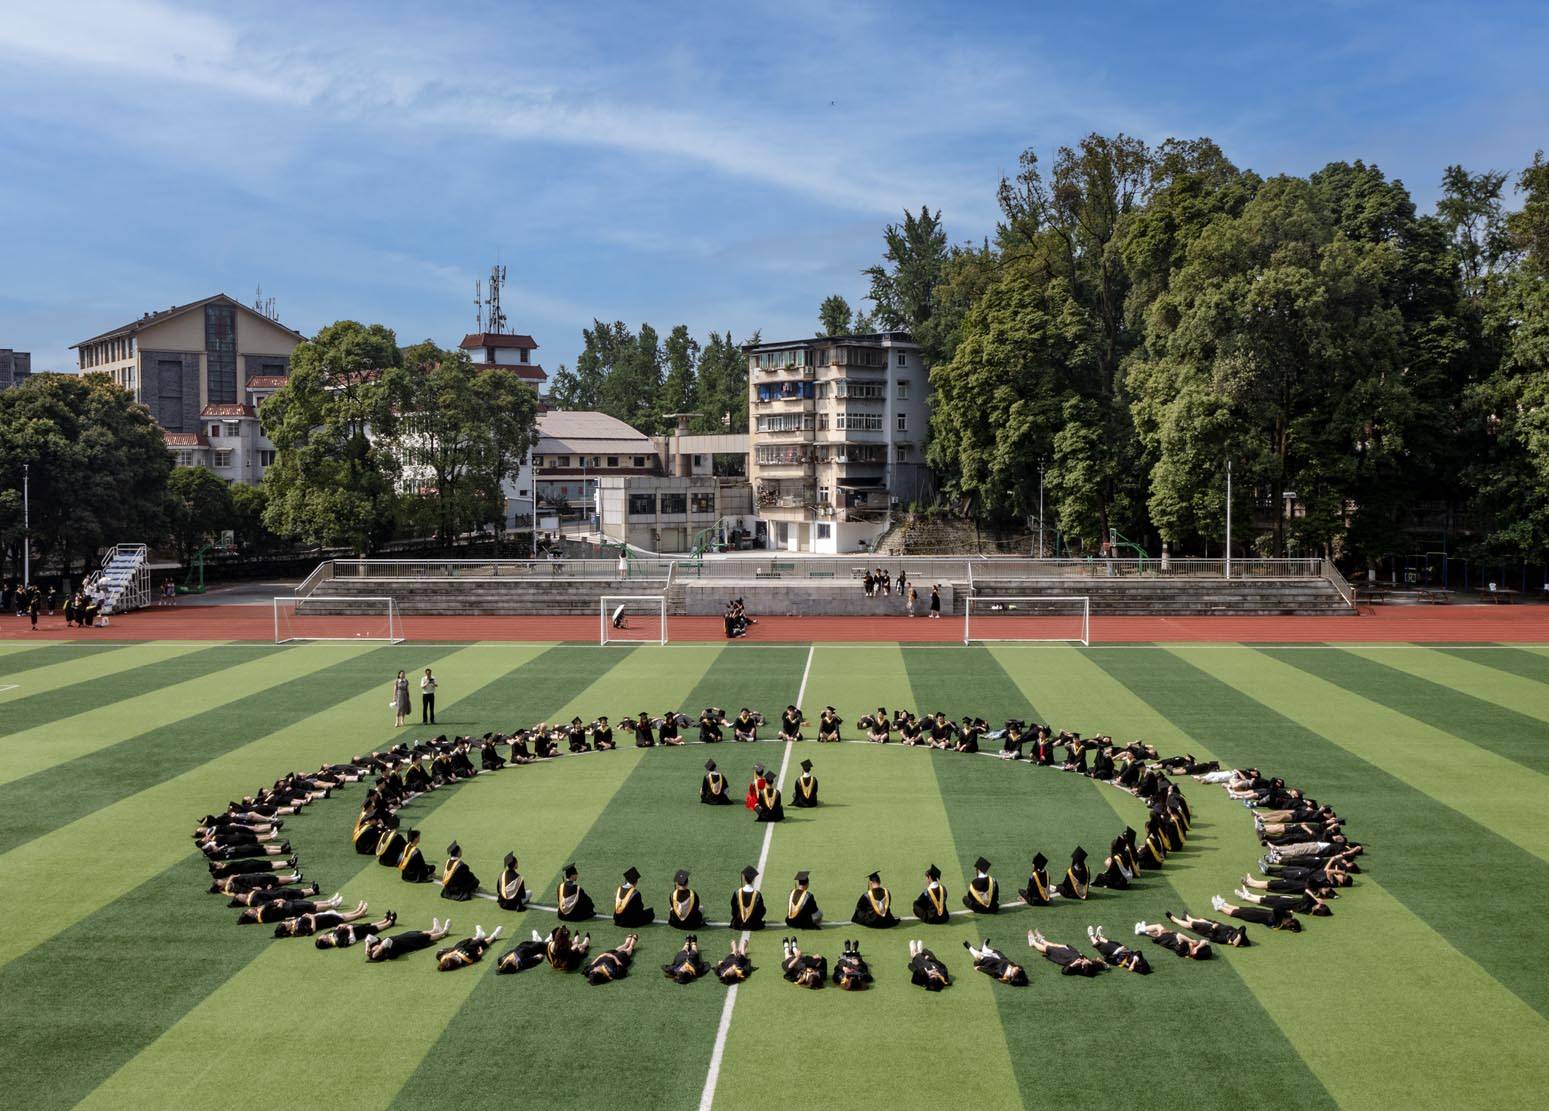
point(1511, 660)
point(164, 924)
point(1472, 677)
point(1225, 1020)
point(1346, 960)
point(1431, 858)
point(1499, 794)
point(790, 1048)
point(189, 685)
point(157, 821)
point(40, 803)
point(95, 678)
point(19, 659)
point(653, 821)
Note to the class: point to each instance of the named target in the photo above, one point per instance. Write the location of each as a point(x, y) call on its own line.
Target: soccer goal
point(633, 619)
point(1055, 620)
point(317, 618)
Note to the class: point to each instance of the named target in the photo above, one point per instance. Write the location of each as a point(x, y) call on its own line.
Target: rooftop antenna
point(497, 316)
point(264, 307)
point(478, 304)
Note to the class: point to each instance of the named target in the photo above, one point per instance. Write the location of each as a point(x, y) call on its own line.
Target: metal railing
point(489, 569)
point(1096, 567)
point(320, 574)
point(1339, 582)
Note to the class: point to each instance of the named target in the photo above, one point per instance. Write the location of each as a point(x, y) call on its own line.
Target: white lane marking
point(713, 1076)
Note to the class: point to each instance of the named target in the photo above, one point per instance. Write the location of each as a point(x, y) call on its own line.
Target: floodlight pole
point(1040, 511)
point(1228, 518)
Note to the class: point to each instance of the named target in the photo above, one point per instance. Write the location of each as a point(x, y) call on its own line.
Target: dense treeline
point(1143, 315)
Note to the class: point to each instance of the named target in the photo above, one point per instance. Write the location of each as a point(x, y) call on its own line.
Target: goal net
point(633, 619)
point(1054, 620)
point(351, 618)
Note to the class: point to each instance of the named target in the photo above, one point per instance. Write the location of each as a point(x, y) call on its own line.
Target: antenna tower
point(497, 316)
point(478, 304)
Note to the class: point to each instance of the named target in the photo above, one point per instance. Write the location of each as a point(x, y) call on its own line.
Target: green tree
point(723, 385)
point(98, 470)
point(333, 484)
point(834, 316)
point(509, 409)
point(1474, 215)
point(565, 389)
point(247, 504)
point(903, 285)
point(679, 392)
point(199, 507)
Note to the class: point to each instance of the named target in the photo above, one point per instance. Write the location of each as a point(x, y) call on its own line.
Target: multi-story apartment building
point(202, 369)
point(838, 434)
point(15, 367)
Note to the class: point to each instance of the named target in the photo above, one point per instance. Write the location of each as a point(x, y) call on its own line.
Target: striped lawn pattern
point(122, 985)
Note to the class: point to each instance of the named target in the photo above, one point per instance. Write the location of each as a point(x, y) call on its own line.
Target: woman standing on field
point(400, 699)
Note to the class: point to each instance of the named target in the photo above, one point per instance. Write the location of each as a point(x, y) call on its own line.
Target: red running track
point(1454, 624)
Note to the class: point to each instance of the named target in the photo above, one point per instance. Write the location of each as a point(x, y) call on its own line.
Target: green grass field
point(124, 985)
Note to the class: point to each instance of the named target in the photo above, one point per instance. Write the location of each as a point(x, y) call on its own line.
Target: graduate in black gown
point(735, 967)
point(930, 905)
point(829, 722)
point(468, 951)
point(575, 736)
point(712, 789)
point(1115, 875)
point(805, 970)
point(629, 907)
point(668, 726)
point(688, 965)
point(983, 895)
point(602, 735)
point(393, 946)
point(926, 969)
point(412, 866)
point(683, 910)
point(644, 735)
point(996, 965)
point(874, 908)
point(1036, 893)
point(710, 725)
point(805, 794)
point(851, 972)
point(511, 888)
point(790, 724)
point(457, 879)
point(611, 964)
point(575, 905)
point(1075, 883)
point(767, 804)
point(747, 905)
point(801, 908)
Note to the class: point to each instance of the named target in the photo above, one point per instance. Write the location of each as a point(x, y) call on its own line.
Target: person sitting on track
point(874, 907)
point(911, 732)
point(1117, 955)
point(996, 965)
point(575, 905)
point(683, 909)
point(878, 726)
point(611, 964)
point(804, 795)
point(466, 952)
point(801, 908)
point(392, 947)
point(629, 907)
point(575, 736)
point(1071, 962)
point(983, 895)
point(930, 905)
point(602, 735)
point(687, 966)
point(969, 733)
point(346, 934)
point(926, 969)
point(747, 905)
point(942, 730)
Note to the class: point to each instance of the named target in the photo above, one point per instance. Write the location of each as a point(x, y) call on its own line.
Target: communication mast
point(264, 306)
point(497, 316)
point(478, 305)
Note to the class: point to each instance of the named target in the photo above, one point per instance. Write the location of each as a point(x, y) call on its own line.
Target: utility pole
point(1228, 518)
point(26, 524)
point(1040, 510)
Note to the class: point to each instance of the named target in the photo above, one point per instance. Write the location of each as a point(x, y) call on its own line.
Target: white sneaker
point(1241, 894)
point(1140, 928)
point(1217, 902)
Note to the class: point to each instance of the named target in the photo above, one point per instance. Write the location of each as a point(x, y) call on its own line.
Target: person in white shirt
point(428, 698)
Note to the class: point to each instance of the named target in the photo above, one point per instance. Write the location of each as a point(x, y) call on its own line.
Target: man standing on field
point(428, 698)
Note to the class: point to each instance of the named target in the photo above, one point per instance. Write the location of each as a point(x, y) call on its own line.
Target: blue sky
point(719, 165)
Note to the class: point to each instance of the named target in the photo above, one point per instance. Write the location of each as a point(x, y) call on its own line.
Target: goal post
point(1035, 619)
point(633, 619)
point(313, 618)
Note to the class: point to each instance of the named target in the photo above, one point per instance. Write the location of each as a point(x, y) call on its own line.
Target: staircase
point(124, 581)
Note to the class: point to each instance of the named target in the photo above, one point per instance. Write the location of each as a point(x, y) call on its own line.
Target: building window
point(784, 422)
point(702, 503)
point(596, 460)
point(782, 455)
point(797, 390)
point(859, 422)
point(903, 422)
point(903, 389)
point(223, 458)
point(184, 458)
point(903, 360)
point(266, 458)
point(822, 422)
point(613, 460)
point(904, 452)
point(825, 495)
point(215, 431)
point(560, 461)
point(860, 391)
point(639, 461)
point(220, 346)
point(525, 355)
point(825, 530)
point(642, 505)
point(674, 503)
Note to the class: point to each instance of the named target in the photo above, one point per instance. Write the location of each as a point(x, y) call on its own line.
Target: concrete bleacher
point(1193, 597)
point(468, 596)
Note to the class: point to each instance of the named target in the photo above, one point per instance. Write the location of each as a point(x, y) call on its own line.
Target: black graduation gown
point(458, 881)
point(801, 911)
point(747, 910)
point(489, 759)
point(768, 807)
point(575, 739)
point(1074, 885)
point(790, 725)
point(983, 896)
point(389, 848)
point(686, 966)
point(922, 965)
point(805, 793)
point(684, 912)
point(1111, 877)
point(874, 913)
point(511, 890)
point(575, 905)
point(709, 731)
point(629, 908)
point(524, 955)
point(968, 739)
point(414, 868)
point(930, 906)
point(712, 790)
point(1036, 893)
point(643, 735)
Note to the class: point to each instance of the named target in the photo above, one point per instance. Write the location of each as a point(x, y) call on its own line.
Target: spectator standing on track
point(400, 701)
point(51, 593)
point(935, 601)
point(868, 582)
point(914, 596)
point(428, 698)
point(623, 566)
point(902, 583)
point(34, 606)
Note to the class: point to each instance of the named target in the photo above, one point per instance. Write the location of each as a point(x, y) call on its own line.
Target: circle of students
point(1307, 854)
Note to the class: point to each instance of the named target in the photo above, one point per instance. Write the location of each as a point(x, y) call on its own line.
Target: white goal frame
point(1032, 602)
point(394, 625)
point(611, 602)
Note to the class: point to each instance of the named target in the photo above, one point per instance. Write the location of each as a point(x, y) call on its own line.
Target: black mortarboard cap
point(575, 721)
point(982, 865)
point(801, 878)
point(570, 872)
point(681, 879)
point(875, 877)
point(709, 765)
point(749, 874)
point(759, 769)
point(413, 835)
point(1078, 856)
point(806, 765)
point(632, 875)
point(510, 860)
point(933, 872)
point(1040, 861)
point(454, 849)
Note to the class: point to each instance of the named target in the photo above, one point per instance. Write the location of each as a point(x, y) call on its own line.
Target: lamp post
point(1040, 510)
point(26, 524)
point(1228, 518)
